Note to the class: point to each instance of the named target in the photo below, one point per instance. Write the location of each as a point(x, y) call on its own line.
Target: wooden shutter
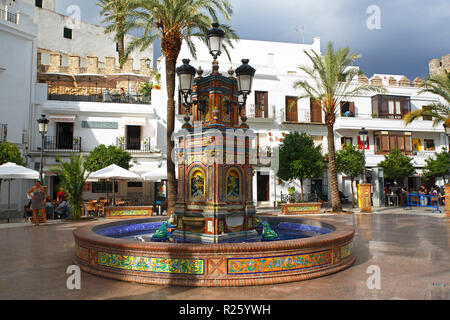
point(352, 108)
point(291, 113)
point(258, 109)
point(385, 143)
point(401, 143)
point(408, 144)
point(266, 104)
point(316, 111)
point(392, 142)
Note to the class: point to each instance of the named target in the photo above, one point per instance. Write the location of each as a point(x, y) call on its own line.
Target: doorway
point(64, 135)
point(263, 187)
point(133, 134)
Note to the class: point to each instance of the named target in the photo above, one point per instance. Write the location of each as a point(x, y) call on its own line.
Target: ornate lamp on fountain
point(215, 174)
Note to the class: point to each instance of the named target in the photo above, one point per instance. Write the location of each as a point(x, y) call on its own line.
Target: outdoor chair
point(91, 206)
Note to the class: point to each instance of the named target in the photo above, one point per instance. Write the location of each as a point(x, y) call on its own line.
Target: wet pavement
point(410, 249)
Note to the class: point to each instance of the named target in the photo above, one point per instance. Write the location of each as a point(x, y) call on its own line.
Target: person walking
point(38, 194)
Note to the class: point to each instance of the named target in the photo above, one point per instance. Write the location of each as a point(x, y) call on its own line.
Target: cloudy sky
point(400, 40)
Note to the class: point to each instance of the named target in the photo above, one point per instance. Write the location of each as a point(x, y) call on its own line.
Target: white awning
point(62, 118)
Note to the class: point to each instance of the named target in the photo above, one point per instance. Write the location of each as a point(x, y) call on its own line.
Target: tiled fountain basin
point(215, 265)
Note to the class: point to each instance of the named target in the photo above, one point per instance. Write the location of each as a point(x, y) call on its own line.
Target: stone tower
point(215, 171)
point(438, 66)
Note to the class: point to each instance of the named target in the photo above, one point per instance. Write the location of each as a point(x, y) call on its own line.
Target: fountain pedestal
point(215, 173)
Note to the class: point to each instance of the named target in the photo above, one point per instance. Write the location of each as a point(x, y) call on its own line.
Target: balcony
point(260, 113)
point(62, 144)
point(9, 16)
point(103, 97)
point(134, 145)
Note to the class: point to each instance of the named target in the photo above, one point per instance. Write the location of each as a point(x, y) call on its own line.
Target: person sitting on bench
point(62, 211)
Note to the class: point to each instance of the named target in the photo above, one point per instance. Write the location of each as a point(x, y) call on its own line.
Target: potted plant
point(291, 191)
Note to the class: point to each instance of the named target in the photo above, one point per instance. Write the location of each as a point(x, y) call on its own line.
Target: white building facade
point(18, 59)
point(273, 90)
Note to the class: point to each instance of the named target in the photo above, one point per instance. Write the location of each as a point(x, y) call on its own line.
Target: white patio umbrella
point(156, 174)
point(57, 78)
point(116, 77)
point(114, 172)
point(88, 79)
point(10, 171)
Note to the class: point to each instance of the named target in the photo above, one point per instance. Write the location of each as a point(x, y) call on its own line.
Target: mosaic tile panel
point(278, 263)
point(151, 264)
point(126, 212)
point(83, 253)
point(346, 250)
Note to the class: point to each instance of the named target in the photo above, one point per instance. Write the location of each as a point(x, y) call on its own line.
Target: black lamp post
point(244, 74)
point(186, 74)
point(215, 40)
point(363, 135)
point(43, 128)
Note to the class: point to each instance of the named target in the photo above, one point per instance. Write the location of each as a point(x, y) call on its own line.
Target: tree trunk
point(332, 172)
point(171, 181)
point(121, 50)
point(353, 193)
point(301, 189)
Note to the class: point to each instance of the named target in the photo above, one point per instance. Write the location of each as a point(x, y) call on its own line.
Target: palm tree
point(333, 82)
point(73, 177)
point(438, 111)
point(116, 14)
point(173, 21)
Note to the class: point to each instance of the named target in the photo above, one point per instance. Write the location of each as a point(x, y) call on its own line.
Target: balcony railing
point(62, 144)
point(134, 145)
point(107, 98)
point(9, 16)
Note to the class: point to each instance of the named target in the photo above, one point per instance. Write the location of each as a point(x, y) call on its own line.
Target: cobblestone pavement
point(411, 249)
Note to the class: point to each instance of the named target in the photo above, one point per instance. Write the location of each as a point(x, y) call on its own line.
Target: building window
point(387, 141)
point(134, 184)
point(345, 141)
point(133, 137)
point(67, 33)
point(390, 107)
point(316, 111)
point(38, 3)
point(428, 144)
point(261, 104)
point(347, 109)
point(291, 109)
point(104, 187)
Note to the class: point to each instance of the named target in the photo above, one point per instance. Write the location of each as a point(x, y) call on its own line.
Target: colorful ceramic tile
point(83, 253)
point(233, 185)
point(151, 264)
point(125, 212)
point(346, 250)
point(278, 263)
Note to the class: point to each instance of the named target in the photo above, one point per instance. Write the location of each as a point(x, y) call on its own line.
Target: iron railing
point(107, 98)
point(9, 16)
point(134, 145)
point(62, 144)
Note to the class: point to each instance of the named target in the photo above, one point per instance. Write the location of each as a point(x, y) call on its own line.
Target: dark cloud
point(412, 31)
